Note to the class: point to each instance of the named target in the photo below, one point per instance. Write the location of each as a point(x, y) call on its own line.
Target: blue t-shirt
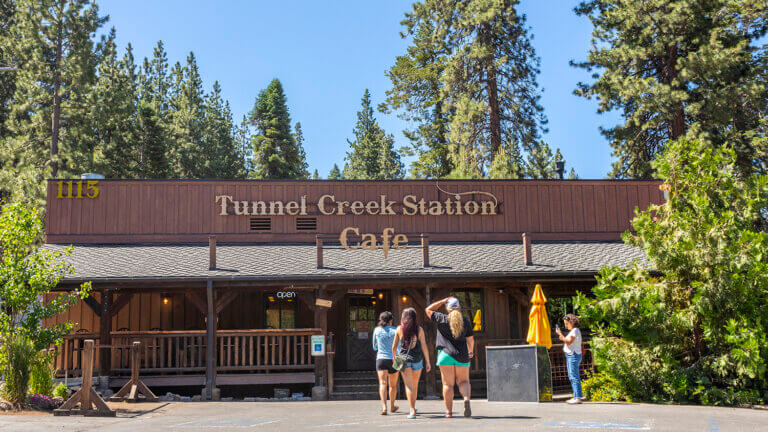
point(383, 337)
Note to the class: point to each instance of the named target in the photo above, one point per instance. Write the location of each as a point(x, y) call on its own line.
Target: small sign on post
point(318, 345)
point(323, 303)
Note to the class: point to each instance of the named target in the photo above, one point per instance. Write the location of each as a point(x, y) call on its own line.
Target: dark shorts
point(385, 364)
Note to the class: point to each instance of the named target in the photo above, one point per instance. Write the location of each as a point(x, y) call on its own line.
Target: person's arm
point(424, 351)
point(567, 339)
point(435, 306)
point(394, 342)
point(471, 346)
point(375, 341)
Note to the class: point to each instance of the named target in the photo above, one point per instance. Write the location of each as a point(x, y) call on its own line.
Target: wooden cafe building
point(229, 283)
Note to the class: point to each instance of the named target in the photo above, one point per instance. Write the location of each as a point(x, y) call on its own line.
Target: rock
point(282, 393)
point(296, 396)
point(319, 393)
point(185, 399)
point(197, 398)
point(227, 399)
point(249, 399)
point(106, 394)
point(5, 405)
point(216, 394)
point(262, 399)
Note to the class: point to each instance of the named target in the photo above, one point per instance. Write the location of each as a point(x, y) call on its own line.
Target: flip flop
point(384, 412)
point(467, 409)
point(412, 416)
point(394, 409)
point(448, 415)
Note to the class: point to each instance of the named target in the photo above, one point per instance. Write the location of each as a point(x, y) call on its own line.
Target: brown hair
point(385, 318)
point(573, 319)
point(409, 326)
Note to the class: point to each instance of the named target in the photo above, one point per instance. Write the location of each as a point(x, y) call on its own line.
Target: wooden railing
point(185, 352)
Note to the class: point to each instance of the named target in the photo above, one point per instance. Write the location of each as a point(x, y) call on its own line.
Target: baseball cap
point(452, 303)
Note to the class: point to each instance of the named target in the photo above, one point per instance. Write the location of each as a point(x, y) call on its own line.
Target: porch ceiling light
point(405, 299)
point(381, 295)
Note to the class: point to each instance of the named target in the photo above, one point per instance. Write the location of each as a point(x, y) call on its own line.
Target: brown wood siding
point(186, 211)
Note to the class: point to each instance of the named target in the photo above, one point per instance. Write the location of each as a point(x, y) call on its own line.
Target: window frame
point(282, 306)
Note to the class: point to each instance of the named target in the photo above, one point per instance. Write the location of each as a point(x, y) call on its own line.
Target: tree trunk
point(56, 115)
point(493, 106)
point(677, 125)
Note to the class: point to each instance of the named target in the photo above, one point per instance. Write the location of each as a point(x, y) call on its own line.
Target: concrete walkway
point(364, 416)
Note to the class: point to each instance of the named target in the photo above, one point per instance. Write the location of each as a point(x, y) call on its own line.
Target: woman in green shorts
point(455, 344)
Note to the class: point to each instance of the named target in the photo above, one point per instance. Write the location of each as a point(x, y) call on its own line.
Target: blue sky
point(327, 53)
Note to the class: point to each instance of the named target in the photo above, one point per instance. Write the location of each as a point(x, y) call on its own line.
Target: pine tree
point(50, 41)
point(275, 152)
point(151, 140)
point(415, 94)
point(243, 140)
point(335, 173)
point(315, 175)
point(219, 147)
point(671, 67)
point(372, 155)
point(489, 81)
point(186, 113)
point(7, 67)
point(302, 166)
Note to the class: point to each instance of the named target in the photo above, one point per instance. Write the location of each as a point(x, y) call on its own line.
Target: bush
point(42, 374)
point(19, 355)
point(42, 402)
point(61, 391)
point(600, 387)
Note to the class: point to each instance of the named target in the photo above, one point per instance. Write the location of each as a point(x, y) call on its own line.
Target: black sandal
point(467, 409)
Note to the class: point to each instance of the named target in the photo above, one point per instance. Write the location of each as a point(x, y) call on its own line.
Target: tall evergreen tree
point(154, 82)
point(219, 148)
point(243, 141)
point(151, 140)
point(415, 94)
point(372, 154)
point(302, 166)
point(186, 113)
point(315, 175)
point(50, 41)
point(489, 78)
point(7, 66)
point(335, 173)
point(671, 67)
point(275, 152)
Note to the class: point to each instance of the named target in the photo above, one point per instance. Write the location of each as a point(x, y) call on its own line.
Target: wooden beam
point(210, 364)
point(518, 295)
point(120, 303)
point(225, 299)
point(105, 333)
point(196, 301)
point(93, 304)
point(417, 297)
point(307, 298)
point(321, 322)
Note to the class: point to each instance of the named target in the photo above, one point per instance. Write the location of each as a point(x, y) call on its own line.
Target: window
point(279, 313)
point(472, 307)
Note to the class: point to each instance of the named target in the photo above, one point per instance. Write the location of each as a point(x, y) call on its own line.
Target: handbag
point(399, 362)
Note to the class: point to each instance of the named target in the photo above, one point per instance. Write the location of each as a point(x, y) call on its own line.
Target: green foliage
point(693, 329)
point(18, 356)
point(276, 153)
point(27, 275)
point(673, 66)
point(372, 155)
point(61, 391)
point(335, 173)
point(42, 374)
point(600, 387)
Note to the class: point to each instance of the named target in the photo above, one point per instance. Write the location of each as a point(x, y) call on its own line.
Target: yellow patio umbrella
point(539, 331)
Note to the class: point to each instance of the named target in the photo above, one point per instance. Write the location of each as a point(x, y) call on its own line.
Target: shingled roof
point(275, 262)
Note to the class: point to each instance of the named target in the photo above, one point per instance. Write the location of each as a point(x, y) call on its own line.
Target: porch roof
point(289, 262)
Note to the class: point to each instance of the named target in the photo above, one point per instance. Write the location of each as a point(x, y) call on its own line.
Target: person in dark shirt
point(455, 345)
point(411, 344)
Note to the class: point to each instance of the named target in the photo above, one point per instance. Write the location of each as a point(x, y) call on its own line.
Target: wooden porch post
point(210, 361)
point(321, 322)
point(105, 333)
point(430, 329)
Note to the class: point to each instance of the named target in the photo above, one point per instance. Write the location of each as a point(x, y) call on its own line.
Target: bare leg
point(382, 374)
point(393, 391)
point(462, 379)
point(415, 375)
point(448, 376)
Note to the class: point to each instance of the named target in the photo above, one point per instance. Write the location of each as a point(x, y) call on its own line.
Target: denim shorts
point(419, 365)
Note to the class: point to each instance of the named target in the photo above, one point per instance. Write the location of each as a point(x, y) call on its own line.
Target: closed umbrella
point(539, 331)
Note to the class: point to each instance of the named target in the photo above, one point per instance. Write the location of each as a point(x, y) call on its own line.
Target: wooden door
point(361, 321)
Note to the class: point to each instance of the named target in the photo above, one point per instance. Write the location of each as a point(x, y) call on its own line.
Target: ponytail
point(385, 318)
point(456, 321)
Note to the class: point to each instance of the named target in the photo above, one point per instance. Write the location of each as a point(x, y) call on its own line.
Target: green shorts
point(444, 359)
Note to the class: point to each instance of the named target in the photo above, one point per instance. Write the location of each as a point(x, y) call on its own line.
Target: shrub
point(19, 355)
point(600, 387)
point(42, 374)
point(42, 402)
point(61, 391)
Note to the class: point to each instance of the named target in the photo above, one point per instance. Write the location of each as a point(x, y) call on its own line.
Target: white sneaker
point(573, 401)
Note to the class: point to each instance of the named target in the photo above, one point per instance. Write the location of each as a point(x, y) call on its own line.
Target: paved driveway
point(364, 416)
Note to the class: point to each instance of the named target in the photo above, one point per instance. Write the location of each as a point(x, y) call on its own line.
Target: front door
point(361, 321)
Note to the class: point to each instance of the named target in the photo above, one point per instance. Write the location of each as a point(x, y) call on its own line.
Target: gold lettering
point(343, 238)
point(59, 186)
point(79, 189)
point(276, 208)
point(321, 204)
point(435, 208)
point(400, 238)
point(340, 207)
point(369, 242)
point(386, 206)
point(385, 235)
point(292, 208)
point(259, 208)
point(488, 208)
point(223, 199)
point(357, 207)
point(409, 205)
point(303, 211)
point(471, 211)
point(90, 185)
point(372, 207)
point(241, 207)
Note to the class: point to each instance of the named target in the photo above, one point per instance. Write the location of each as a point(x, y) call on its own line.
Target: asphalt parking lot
point(364, 416)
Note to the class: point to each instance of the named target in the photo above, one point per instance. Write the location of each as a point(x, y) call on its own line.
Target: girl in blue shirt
point(383, 337)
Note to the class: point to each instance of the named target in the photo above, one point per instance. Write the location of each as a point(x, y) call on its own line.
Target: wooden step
point(355, 395)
